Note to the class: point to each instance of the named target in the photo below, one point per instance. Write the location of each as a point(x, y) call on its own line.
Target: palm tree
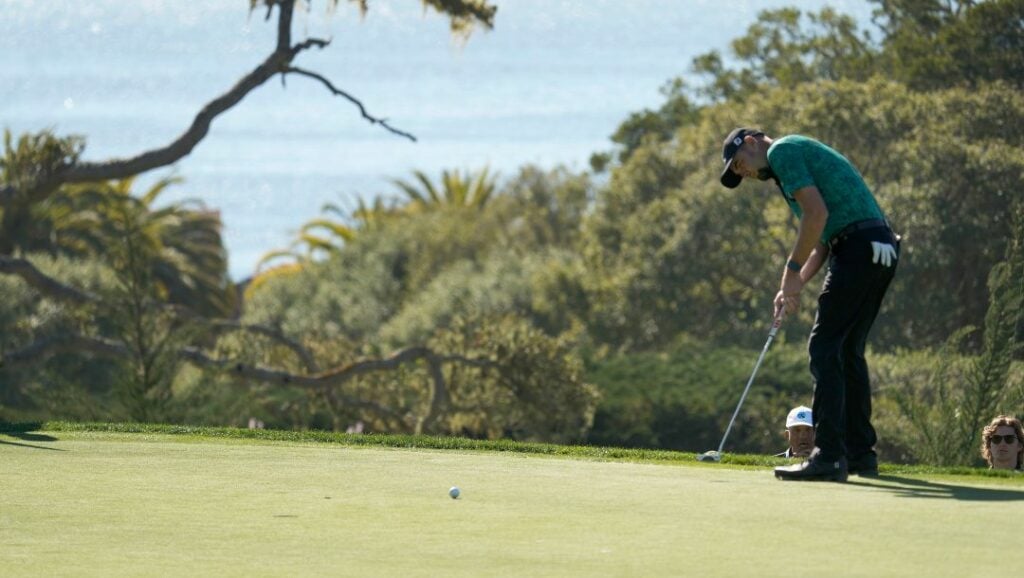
point(183, 240)
point(337, 235)
point(470, 191)
point(73, 222)
point(325, 236)
point(320, 235)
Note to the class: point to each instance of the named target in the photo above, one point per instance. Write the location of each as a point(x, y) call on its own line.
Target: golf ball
point(454, 492)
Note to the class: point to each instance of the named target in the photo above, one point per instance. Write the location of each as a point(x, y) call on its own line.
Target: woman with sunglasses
point(1002, 444)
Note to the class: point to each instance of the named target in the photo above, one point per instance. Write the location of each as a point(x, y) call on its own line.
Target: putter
point(716, 456)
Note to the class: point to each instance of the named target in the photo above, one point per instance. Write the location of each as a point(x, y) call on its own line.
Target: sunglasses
point(1007, 439)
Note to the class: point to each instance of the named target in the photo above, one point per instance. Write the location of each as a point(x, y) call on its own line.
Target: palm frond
point(276, 254)
point(339, 230)
point(151, 195)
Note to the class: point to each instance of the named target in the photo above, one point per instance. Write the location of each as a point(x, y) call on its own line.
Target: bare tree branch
point(183, 145)
point(277, 62)
point(338, 92)
point(309, 43)
point(185, 313)
point(464, 14)
point(439, 394)
point(303, 353)
point(332, 379)
point(43, 283)
point(46, 347)
point(242, 371)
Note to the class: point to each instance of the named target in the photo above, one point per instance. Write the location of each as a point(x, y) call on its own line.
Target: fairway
point(158, 505)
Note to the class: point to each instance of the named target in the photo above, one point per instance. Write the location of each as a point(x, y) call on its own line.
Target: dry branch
point(278, 62)
point(332, 380)
point(185, 313)
point(338, 92)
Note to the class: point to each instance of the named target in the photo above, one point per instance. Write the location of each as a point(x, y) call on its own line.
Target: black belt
point(854, 227)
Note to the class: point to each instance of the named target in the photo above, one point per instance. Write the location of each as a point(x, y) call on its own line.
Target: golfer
point(841, 224)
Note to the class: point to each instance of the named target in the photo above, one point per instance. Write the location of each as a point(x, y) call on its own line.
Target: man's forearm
point(811, 226)
point(812, 223)
point(814, 263)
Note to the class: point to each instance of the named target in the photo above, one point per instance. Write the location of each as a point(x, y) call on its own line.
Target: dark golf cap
point(732, 144)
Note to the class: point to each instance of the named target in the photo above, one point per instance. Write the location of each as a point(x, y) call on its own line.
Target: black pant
point(850, 298)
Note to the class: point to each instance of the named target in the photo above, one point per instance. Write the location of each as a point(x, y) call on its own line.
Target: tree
point(934, 44)
point(79, 221)
point(316, 236)
point(184, 253)
point(325, 235)
point(779, 50)
point(925, 44)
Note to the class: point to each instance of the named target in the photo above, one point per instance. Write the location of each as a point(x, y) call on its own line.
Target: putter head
point(709, 456)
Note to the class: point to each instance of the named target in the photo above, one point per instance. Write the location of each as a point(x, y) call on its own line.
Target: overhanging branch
point(277, 62)
point(332, 377)
point(338, 92)
point(184, 313)
point(330, 381)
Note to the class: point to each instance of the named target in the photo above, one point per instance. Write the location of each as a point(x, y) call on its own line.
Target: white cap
point(799, 416)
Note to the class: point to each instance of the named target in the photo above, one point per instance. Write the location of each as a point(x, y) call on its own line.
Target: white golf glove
point(884, 253)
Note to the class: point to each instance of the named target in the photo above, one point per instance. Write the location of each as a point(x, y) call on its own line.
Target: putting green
point(129, 504)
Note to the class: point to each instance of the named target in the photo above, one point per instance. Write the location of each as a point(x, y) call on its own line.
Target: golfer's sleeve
point(789, 166)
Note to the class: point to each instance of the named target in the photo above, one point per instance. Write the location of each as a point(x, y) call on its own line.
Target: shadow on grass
point(3, 443)
point(30, 437)
point(915, 488)
point(23, 432)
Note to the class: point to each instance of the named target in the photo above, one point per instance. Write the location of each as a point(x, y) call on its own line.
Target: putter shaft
point(771, 335)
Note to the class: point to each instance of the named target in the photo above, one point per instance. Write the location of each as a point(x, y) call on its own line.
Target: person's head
point(745, 154)
point(1002, 443)
point(800, 431)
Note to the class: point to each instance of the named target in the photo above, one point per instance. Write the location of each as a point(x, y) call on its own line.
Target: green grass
point(110, 499)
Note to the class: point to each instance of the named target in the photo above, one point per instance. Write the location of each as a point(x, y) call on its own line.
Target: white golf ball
point(454, 492)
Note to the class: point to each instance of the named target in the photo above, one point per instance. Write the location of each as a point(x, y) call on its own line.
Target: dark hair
point(990, 430)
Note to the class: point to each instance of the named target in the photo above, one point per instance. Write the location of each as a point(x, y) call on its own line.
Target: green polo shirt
point(799, 161)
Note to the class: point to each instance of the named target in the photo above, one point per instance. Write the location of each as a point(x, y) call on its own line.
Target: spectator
point(799, 433)
point(1002, 444)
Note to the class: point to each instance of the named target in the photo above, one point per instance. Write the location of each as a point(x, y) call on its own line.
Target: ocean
point(547, 86)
